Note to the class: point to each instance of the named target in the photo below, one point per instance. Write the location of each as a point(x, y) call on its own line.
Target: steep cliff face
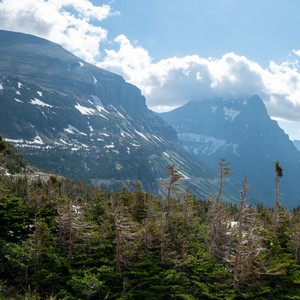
point(77, 120)
point(244, 134)
point(297, 144)
point(49, 67)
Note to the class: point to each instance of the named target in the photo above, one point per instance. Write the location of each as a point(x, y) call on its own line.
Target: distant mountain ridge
point(77, 120)
point(243, 133)
point(297, 144)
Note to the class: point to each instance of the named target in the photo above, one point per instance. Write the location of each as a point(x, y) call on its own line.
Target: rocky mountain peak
point(243, 133)
point(74, 119)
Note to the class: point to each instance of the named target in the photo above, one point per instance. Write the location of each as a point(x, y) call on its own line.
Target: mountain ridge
point(297, 144)
point(243, 133)
point(73, 119)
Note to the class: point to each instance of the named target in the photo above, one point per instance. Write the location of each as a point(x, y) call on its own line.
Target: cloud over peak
point(174, 81)
point(66, 22)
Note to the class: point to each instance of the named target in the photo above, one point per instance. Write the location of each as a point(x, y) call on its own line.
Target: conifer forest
point(62, 239)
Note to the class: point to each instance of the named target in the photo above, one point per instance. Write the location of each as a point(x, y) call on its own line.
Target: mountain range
point(243, 133)
point(69, 117)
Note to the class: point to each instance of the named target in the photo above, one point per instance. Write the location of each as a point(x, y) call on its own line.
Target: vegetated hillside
point(74, 119)
point(60, 239)
point(11, 161)
point(242, 132)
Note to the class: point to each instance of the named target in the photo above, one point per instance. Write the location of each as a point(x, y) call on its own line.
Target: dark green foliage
point(10, 158)
point(64, 239)
point(77, 242)
point(14, 219)
point(278, 169)
point(3, 144)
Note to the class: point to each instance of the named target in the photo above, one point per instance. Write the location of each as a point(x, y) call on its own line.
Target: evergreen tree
point(278, 175)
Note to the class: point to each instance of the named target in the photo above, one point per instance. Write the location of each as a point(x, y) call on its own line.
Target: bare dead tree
point(249, 260)
point(217, 215)
point(238, 268)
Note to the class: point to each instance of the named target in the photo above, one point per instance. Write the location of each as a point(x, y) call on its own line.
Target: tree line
point(61, 239)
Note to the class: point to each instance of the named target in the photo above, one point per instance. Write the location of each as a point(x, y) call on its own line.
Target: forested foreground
point(60, 239)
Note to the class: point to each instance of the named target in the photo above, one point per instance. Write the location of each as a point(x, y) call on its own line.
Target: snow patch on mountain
point(15, 141)
point(84, 110)
point(166, 154)
point(109, 146)
point(135, 145)
point(38, 140)
point(40, 93)
point(205, 144)
point(36, 101)
point(142, 135)
point(214, 108)
point(104, 134)
point(183, 175)
point(18, 100)
point(73, 130)
point(124, 134)
point(96, 100)
point(159, 139)
point(64, 142)
point(98, 104)
point(119, 113)
point(230, 114)
point(1, 86)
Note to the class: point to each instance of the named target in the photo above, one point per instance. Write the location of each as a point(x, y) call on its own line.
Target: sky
point(177, 51)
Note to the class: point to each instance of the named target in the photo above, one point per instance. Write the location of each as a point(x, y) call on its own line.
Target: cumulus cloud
point(66, 22)
point(174, 81)
point(297, 52)
point(130, 60)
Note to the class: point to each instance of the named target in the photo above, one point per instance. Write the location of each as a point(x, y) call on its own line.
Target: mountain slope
point(297, 144)
point(76, 120)
point(11, 161)
point(243, 133)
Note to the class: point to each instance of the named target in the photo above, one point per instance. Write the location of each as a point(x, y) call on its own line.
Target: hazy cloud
point(67, 22)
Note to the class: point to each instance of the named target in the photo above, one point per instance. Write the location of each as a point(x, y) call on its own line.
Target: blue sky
point(179, 51)
point(261, 30)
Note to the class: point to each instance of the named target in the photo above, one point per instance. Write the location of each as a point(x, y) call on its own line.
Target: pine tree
point(278, 175)
point(3, 145)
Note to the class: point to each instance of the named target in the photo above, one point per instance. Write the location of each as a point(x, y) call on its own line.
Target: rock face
point(77, 120)
point(297, 144)
point(243, 133)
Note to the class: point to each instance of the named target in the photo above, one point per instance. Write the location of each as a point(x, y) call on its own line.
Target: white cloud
point(131, 61)
point(66, 22)
point(297, 52)
point(291, 128)
point(173, 81)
